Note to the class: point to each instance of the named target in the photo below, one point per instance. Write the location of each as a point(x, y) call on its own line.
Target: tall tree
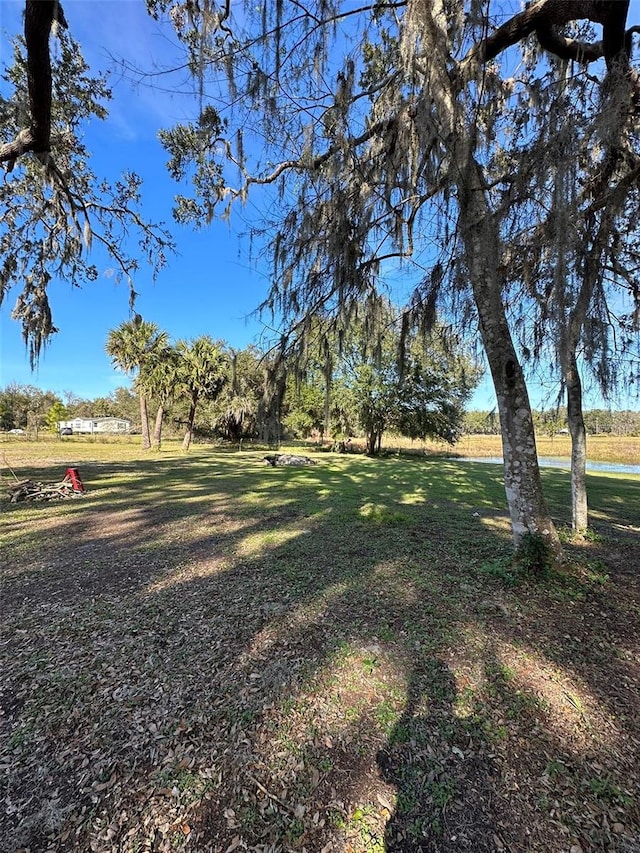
point(159, 377)
point(419, 394)
point(54, 207)
point(582, 187)
point(203, 370)
point(235, 409)
point(132, 346)
point(395, 151)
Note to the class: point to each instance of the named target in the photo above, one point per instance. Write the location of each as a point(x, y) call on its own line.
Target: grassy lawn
point(204, 653)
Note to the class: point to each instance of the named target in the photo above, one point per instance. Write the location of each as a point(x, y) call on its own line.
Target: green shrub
point(534, 555)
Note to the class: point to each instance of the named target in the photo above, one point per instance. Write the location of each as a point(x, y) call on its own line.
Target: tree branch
point(579, 51)
point(39, 18)
point(545, 14)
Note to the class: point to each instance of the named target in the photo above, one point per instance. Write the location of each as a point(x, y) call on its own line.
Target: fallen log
point(288, 459)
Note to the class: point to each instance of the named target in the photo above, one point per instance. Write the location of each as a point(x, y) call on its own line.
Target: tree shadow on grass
point(238, 631)
point(443, 773)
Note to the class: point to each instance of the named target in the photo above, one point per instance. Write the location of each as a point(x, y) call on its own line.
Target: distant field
point(600, 448)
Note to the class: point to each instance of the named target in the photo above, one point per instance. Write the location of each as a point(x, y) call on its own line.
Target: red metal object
point(72, 475)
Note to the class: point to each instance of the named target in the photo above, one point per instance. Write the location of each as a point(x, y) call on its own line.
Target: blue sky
point(209, 287)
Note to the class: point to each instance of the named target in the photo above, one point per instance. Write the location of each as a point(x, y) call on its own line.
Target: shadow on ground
point(208, 654)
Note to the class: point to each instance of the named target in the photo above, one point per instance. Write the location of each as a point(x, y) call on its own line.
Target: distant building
point(94, 425)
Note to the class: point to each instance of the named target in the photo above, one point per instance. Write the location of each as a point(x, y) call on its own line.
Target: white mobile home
point(96, 425)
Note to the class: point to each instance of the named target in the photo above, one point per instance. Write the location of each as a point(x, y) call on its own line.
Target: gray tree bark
point(523, 487)
point(144, 423)
point(578, 433)
point(157, 429)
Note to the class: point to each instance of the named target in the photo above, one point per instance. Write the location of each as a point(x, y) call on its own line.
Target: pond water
point(552, 462)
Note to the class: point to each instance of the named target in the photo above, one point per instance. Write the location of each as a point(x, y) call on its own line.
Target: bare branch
point(39, 17)
point(543, 16)
point(566, 48)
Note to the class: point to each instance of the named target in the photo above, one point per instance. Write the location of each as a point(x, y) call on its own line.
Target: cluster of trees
point(190, 371)
point(360, 391)
point(236, 414)
point(206, 385)
point(495, 159)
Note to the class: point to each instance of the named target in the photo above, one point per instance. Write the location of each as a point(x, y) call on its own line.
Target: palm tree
point(202, 371)
point(159, 378)
point(237, 405)
point(130, 346)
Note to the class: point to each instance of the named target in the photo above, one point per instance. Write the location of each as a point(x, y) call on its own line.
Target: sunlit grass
point(335, 646)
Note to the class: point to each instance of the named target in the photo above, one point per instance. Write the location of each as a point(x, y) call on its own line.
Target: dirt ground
point(211, 655)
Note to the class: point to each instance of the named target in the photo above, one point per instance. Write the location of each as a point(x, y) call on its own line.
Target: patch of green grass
point(407, 800)
point(295, 830)
point(595, 573)
point(574, 582)
point(534, 555)
point(190, 785)
point(336, 819)
point(555, 768)
point(21, 737)
point(500, 671)
point(577, 537)
point(494, 732)
point(502, 569)
point(370, 663)
point(441, 792)
point(379, 514)
point(386, 715)
point(521, 703)
point(608, 791)
point(363, 824)
point(325, 765)
point(386, 634)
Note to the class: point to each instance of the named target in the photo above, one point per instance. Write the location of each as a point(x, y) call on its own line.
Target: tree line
point(622, 422)
point(236, 414)
point(205, 386)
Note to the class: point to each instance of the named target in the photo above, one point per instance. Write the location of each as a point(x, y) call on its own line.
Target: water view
point(552, 462)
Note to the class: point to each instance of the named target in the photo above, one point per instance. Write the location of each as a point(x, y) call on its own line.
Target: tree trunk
point(370, 443)
point(481, 238)
point(190, 421)
point(270, 407)
point(157, 429)
point(579, 506)
point(527, 507)
point(144, 423)
point(328, 375)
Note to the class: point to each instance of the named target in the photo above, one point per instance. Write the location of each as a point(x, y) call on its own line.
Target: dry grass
point(600, 448)
point(208, 654)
